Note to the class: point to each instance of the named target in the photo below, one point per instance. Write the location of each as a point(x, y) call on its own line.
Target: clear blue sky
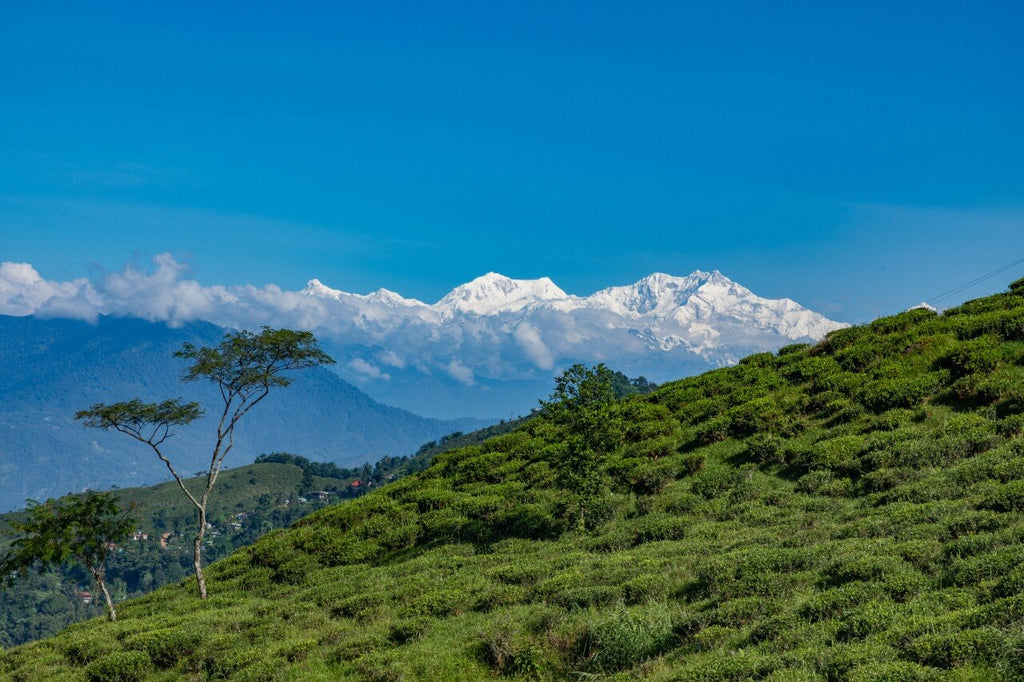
point(858, 157)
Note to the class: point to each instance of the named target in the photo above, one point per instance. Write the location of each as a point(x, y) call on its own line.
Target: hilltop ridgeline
point(848, 510)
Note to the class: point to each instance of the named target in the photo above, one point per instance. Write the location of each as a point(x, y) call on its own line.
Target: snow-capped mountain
point(694, 305)
point(488, 348)
point(494, 294)
point(496, 329)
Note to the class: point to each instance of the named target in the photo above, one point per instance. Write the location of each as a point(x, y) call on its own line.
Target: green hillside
point(848, 511)
point(248, 502)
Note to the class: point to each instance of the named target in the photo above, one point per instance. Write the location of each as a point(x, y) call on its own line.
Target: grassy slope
point(266, 492)
point(851, 510)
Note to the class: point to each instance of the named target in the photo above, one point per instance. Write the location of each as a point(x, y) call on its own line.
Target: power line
point(977, 280)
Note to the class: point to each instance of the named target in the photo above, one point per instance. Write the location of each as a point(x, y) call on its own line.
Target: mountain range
point(517, 333)
point(50, 369)
point(487, 349)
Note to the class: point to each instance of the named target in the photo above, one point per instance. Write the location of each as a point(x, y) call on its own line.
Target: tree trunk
point(197, 553)
point(100, 583)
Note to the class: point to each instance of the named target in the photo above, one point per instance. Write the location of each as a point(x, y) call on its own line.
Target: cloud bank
point(493, 328)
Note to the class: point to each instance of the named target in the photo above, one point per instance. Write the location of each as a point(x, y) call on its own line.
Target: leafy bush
point(167, 646)
point(838, 454)
point(119, 666)
point(691, 463)
point(712, 482)
point(621, 638)
point(1006, 497)
point(886, 394)
point(85, 649)
point(713, 430)
point(966, 647)
point(766, 448)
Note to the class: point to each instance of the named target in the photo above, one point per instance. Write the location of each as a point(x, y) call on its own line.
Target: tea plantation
point(852, 510)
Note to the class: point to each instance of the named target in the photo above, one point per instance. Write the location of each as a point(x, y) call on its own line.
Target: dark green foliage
point(45, 603)
point(582, 404)
point(766, 448)
point(81, 529)
point(246, 364)
point(135, 415)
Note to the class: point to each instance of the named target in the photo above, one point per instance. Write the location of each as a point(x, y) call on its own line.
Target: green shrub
point(741, 666)
point(838, 601)
point(1006, 497)
point(691, 463)
point(537, 522)
point(863, 567)
point(408, 629)
point(761, 414)
point(966, 647)
point(84, 649)
point(621, 638)
point(886, 394)
point(866, 620)
point(647, 478)
point(1010, 584)
point(654, 448)
point(166, 647)
point(1010, 426)
point(891, 671)
point(979, 356)
point(714, 430)
point(511, 654)
point(766, 449)
point(823, 482)
point(710, 483)
point(119, 666)
point(644, 589)
point(838, 454)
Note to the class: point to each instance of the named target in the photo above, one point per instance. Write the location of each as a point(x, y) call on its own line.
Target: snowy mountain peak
point(494, 293)
point(657, 292)
point(315, 287)
point(384, 297)
point(389, 298)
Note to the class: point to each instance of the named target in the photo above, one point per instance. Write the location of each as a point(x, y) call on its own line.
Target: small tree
point(76, 529)
point(581, 402)
point(244, 367)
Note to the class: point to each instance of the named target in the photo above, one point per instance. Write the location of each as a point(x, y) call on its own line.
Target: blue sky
point(857, 157)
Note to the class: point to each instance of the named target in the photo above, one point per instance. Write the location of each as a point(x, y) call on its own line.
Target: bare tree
point(244, 367)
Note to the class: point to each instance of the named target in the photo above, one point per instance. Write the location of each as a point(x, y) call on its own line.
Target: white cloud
point(458, 371)
point(392, 359)
point(530, 341)
point(367, 370)
point(24, 292)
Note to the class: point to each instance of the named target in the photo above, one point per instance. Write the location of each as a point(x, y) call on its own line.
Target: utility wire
point(977, 280)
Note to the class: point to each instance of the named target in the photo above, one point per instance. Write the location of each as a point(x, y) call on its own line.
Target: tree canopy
point(82, 529)
point(245, 366)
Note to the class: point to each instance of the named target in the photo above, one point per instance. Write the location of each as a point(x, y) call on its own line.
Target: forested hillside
point(848, 510)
